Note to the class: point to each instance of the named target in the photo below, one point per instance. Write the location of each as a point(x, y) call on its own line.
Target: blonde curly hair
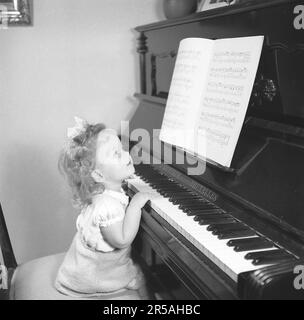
point(77, 162)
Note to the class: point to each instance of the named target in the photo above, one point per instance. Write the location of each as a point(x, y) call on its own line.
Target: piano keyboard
point(230, 244)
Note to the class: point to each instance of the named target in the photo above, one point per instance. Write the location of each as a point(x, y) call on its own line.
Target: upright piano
point(226, 234)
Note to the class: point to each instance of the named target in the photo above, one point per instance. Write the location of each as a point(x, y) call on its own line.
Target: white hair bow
point(80, 127)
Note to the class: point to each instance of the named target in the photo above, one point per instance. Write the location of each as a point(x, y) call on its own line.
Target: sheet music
point(188, 81)
point(209, 95)
point(224, 104)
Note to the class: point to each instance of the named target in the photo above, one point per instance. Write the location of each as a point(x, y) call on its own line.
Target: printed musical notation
point(218, 137)
point(190, 65)
point(174, 119)
point(232, 57)
point(225, 88)
point(182, 84)
point(221, 104)
point(213, 137)
point(229, 73)
point(219, 120)
point(188, 54)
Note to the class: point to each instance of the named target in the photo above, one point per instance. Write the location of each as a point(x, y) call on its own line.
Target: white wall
point(78, 59)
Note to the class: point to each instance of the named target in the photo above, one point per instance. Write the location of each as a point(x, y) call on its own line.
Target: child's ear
point(97, 176)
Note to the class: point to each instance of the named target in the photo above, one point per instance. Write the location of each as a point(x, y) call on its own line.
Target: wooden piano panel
point(162, 281)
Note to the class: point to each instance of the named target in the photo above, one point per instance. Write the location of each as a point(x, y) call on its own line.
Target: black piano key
point(182, 193)
point(178, 190)
point(241, 245)
point(235, 242)
point(174, 193)
point(271, 260)
point(229, 229)
point(164, 191)
point(165, 185)
point(144, 167)
point(171, 195)
point(167, 189)
point(176, 201)
point(248, 247)
point(194, 205)
point(193, 209)
point(207, 221)
point(197, 208)
point(236, 234)
point(199, 200)
point(153, 180)
point(149, 174)
point(152, 174)
point(185, 195)
point(226, 226)
point(188, 196)
point(200, 209)
point(160, 187)
point(187, 203)
point(143, 174)
point(142, 170)
point(206, 211)
point(173, 190)
point(154, 183)
point(267, 254)
point(164, 182)
point(211, 216)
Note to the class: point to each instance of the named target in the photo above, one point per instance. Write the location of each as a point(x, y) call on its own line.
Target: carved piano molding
point(142, 50)
point(264, 90)
point(296, 48)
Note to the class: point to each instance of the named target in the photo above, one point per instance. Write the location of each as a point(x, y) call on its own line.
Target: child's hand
point(141, 198)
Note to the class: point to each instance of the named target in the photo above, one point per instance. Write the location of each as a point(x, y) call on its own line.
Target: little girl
point(98, 261)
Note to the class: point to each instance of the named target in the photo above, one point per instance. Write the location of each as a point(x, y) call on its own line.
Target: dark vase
point(179, 8)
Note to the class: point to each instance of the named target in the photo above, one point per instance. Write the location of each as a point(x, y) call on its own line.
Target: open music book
point(209, 95)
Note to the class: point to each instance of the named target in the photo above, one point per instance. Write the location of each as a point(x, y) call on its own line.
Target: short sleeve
point(108, 211)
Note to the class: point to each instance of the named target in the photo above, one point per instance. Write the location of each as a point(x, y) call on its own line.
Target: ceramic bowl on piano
point(179, 8)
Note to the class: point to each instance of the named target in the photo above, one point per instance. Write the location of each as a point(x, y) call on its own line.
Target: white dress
point(92, 266)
